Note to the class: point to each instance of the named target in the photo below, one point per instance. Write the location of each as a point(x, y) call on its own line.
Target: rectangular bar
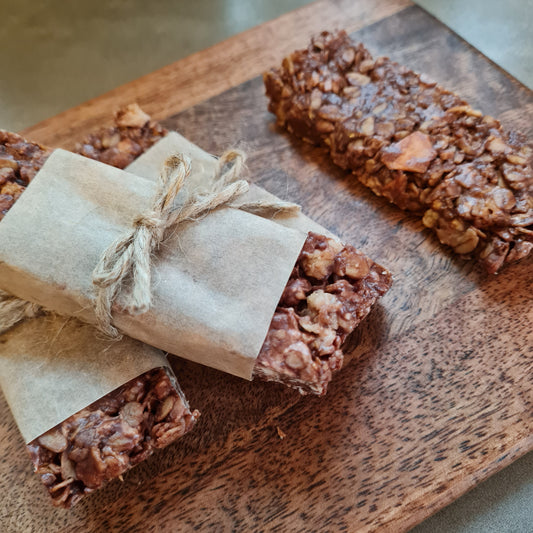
point(116, 421)
point(332, 287)
point(418, 145)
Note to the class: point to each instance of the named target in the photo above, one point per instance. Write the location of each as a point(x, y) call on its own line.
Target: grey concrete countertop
point(503, 31)
point(67, 52)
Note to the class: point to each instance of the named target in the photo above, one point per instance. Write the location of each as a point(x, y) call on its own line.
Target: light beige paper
point(52, 367)
point(149, 164)
point(216, 282)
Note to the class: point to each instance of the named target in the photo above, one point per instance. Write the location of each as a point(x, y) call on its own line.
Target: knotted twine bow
point(129, 257)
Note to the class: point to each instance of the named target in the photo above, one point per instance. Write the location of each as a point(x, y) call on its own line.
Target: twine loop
point(13, 310)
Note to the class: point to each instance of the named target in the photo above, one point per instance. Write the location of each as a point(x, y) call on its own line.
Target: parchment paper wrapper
point(216, 282)
point(52, 367)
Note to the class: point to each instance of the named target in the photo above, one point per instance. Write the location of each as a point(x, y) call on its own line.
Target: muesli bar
point(107, 438)
point(331, 289)
point(104, 440)
point(131, 134)
point(418, 145)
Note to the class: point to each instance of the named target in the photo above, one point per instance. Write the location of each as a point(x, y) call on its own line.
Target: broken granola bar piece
point(418, 145)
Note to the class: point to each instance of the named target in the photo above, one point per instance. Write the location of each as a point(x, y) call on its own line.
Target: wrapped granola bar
point(331, 288)
point(215, 282)
point(71, 394)
point(88, 409)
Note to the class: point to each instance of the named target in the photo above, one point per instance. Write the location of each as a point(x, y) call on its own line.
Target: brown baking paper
point(216, 282)
point(52, 367)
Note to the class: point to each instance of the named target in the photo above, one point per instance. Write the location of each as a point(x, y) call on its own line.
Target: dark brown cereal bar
point(119, 145)
point(117, 432)
point(331, 289)
point(418, 145)
point(20, 160)
point(114, 433)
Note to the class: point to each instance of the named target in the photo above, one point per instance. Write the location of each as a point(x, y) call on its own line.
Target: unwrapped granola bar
point(418, 145)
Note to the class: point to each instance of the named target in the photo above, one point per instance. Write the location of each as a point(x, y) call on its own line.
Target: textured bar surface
point(132, 134)
point(117, 432)
point(119, 145)
point(331, 289)
point(417, 144)
point(20, 160)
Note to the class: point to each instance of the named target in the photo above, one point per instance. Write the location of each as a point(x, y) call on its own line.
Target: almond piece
point(413, 153)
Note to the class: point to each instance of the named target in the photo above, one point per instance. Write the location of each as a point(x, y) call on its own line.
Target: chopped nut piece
point(318, 263)
point(496, 145)
point(352, 263)
point(12, 189)
point(67, 467)
point(413, 153)
point(298, 355)
point(131, 116)
point(132, 412)
point(53, 440)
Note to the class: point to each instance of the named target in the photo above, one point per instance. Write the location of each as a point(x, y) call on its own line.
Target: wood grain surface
point(438, 395)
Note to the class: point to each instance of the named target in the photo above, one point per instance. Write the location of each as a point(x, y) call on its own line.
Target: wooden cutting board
point(439, 394)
